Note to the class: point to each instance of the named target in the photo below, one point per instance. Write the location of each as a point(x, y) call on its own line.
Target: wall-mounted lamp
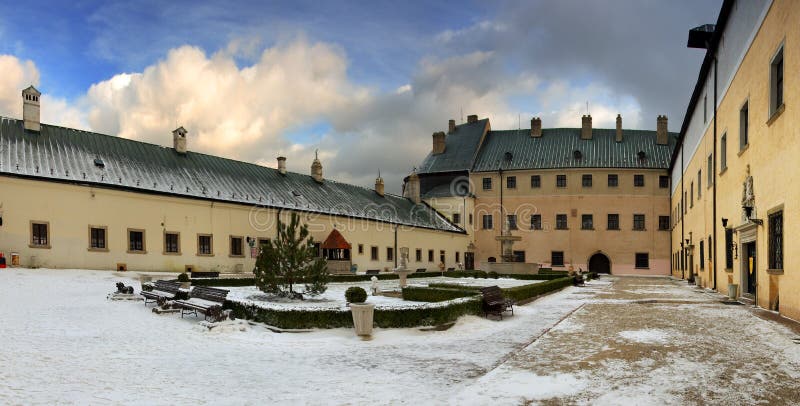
point(724, 222)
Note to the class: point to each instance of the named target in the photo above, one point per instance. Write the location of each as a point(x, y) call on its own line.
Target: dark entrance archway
point(599, 263)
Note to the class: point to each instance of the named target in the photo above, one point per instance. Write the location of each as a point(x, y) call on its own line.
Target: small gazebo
point(336, 250)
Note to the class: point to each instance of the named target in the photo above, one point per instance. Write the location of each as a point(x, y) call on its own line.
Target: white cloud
point(16, 75)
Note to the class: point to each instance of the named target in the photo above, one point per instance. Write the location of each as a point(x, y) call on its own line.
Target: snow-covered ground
point(333, 298)
point(63, 342)
point(616, 341)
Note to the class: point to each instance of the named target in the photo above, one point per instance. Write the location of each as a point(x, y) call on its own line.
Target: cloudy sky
point(364, 82)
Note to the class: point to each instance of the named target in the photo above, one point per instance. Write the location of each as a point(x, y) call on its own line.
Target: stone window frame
point(105, 238)
point(561, 181)
point(487, 183)
point(536, 181)
point(663, 181)
point(536, 221)
point(389, 254)
point(586, 180)
point(590, 222)
point(374, 253)
point(723, 153)
point(772, 214)
point(144, 240)
point(639, 225)
point(702, 254)
point(418, 255)
point(615, 177)
point(47, 239)
point(511, 182)
point(490, 222)
point(442, 256)
point(663, 223)
point(210, 245)
point(513, 224)
point(164, 245)
point(744, 126)
point(608, 222)
point(638, 180)
point(777, 98)
point(430, 255)
point(360, 249)
point(557, 255)
point(230, 246)
point(559, 226)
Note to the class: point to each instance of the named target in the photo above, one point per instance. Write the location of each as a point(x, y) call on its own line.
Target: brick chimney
point(30, 109)
point(586, 127)
point(411, 191)
point(282, 165)
point(619, 128)
point(379, 185)
point(662, 137)
point(451, 126)
point(438, 142)
point(316, 169)
point(536, 127)
point(179, 140)
point(472, 118)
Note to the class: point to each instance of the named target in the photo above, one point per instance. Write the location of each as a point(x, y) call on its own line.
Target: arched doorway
point(599, 263)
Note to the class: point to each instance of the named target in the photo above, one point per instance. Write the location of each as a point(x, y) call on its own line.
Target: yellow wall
point(772, 156)
point(70, 209)
point(578, 245)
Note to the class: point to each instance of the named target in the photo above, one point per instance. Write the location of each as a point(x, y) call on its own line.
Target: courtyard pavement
point(635, 341)
point(650, 341)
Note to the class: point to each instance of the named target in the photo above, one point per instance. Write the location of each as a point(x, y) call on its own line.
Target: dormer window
point(642, 155)
point(99, 163)
point(577, 154)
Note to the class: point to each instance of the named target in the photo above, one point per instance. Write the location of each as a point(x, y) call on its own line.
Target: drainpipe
point(714, 179)
point(502, 211)
point(395, 246)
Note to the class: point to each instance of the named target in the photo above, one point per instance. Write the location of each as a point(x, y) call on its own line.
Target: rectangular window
point(418, 255)
point(360, 249)
point(557, 258)
point(470, 219)
point(587, 222)
point(710, 250)
point(705, 109)
point(642, 260)
point(457, 218)
point(536, 181)
point(172, 243)
point(430, 255)
point(519, 256)
point(723, 152)
point(237, 248)
point(536, 221)
point(699, 183)
point(691, 195)
point(709, 172)
point(776, 240)
point(40, 235)
point(512, 221)
point(487, 183)
point(663, 223)
point(613, 221)
point(487, 222)
point(97, 238)
point(702, 255)
point(511, 182)
point(442, 256)
point(638, 222)
point(776, 82)
point(561, 221)
point(729, 248)
point(744, 126)
point(204, 244)
point(613, 180)
point(663, 182)
point(638, 180)
point(373, 253)
point(586, 180)
point(458, 257)
point(136, 241)
point(561, 181)
point(390, 253)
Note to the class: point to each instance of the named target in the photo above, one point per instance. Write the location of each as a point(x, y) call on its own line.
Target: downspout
point(683, 219)
point(395, 246)
point(714, 179)
point(502, 211)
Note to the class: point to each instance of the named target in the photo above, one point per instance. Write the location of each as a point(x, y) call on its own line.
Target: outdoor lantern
point(724, 222)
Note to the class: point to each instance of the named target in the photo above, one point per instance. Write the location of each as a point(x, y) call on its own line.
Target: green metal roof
point(557, 147)
point(460, 148)
point(69, 155)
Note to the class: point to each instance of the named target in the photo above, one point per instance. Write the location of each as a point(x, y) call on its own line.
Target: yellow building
point(580, 198)
point(76, 199)
point(734, 172)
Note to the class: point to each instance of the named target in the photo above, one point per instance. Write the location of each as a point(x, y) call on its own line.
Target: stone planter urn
point(186, 285)
point(733, 291)
point(362, 317)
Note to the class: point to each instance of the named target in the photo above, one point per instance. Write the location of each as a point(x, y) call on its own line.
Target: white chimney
point(30, 109)
point(179, 140)
point(282, 165)
point(412, 188)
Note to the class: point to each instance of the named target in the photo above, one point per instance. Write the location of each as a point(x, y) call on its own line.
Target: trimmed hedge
point(432, 294)
point(384, 318)
point(224, 282)
point(530, 291)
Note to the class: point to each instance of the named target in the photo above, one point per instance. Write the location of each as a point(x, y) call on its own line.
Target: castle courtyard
point(643, 340)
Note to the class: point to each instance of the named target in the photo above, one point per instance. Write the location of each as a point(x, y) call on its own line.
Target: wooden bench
point(373, 271)
point(420, 270)
point(162, 291)
point(207, 274)
point(495, 303)
point(204, 300)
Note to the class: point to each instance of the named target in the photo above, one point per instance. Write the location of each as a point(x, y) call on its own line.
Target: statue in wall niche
point(748, 198)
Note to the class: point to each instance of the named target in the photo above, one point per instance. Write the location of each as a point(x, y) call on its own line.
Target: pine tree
point(290, 260)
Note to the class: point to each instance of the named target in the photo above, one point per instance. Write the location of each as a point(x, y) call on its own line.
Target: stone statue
point(403, 257)
point(748, 198)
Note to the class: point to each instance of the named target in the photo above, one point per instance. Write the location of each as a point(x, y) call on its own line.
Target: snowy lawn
point(333, 298)
point(64, 343)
